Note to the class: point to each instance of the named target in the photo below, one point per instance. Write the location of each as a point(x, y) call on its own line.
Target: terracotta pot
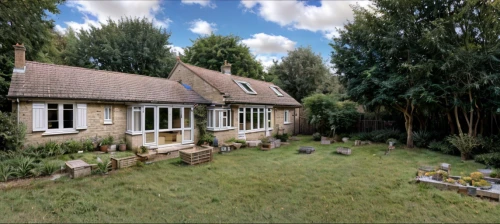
point(122, 147)
point(104, 148)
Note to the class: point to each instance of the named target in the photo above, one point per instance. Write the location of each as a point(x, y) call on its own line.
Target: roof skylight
point(246, 87)
point(276, 90)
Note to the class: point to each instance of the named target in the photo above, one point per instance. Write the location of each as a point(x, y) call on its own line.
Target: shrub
point(363, 136)
point(208, 138)
point(494, 174)
point(12, 135)
point(52, 148)
point(490, 159)
point(316, 136)
point(488, 145)
point(422, 138)
point(383, 135)
point(231, 140)
point(103, 167)
point(6, 172)
point(284, 137)
point(480, 183)
point(464, 143)
point(23, 166)
point(72, 146)
point(476, 176)
point(87, 145)
point(48, 168)
point(242, 141)
point(107, 141)
point(443, 147)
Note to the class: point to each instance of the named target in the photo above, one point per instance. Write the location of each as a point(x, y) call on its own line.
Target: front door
point(150, 125)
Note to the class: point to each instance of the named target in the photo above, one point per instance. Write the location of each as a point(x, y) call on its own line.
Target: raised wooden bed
point(344, 151)
point(196, 155)
point(78, 168)
point(120, 163)
point(495, 195)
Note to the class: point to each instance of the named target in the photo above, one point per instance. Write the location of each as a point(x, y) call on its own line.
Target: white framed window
point(252, 119)
point(245, 86)
point(219, 119)
point(287, 117)
point(276, 90)
point(134, 121)
point(108, 114)
point(59, 118)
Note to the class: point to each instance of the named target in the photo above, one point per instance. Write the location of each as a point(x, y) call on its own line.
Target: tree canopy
point(301, 73)
point(416, 56)
point(130, 45)
point(211, 51)
point(23, 22)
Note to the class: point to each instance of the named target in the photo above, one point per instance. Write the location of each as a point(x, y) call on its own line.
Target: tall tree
point(130, 45)
point(23, 22)
point(301, 73)
point(384, 60)
point(211, 51)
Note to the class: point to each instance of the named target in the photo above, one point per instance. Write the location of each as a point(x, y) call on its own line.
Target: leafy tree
point(384, 58)
point(130, 45)
point(22, 22)
point(211, 51)
point(329, 115)
point(301, 72)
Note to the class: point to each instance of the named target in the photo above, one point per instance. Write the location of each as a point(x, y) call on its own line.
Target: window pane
point(68, 106)
point(129, 119)
point(248, 117)
point(242, 120)
point(163, 118)
point(176, 117)
point(187, 118)
point(217, 119)
point(68, 118)
point(52, 117)
point(137, 121)
point(269, 118)
point(210, 118)
point(261, 118)
point(150, 119)
point(255, 116)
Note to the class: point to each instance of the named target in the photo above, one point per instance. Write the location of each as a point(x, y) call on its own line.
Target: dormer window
point(276, 90)
point(246, 87)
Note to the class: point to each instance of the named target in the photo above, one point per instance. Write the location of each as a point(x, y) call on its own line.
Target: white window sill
point(220, 129)
point(108, 122)
point(60, 132)
point(133, 133)
point(257, 130)
point(287, 123)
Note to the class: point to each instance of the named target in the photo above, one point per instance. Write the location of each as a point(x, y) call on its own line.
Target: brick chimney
point(19, 58)
point(226, 68)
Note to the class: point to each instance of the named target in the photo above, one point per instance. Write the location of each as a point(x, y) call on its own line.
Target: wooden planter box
point(344, 151)
point(266, 147)
point(78, 168)
point(120, 163)
point(196, 155)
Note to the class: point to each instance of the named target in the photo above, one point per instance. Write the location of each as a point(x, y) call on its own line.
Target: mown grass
point(249, 185)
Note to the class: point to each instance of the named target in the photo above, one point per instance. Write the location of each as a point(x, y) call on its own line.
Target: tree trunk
point(450, 122)
point(409, 131)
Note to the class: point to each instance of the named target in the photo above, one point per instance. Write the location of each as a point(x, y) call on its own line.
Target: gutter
point(17, 100)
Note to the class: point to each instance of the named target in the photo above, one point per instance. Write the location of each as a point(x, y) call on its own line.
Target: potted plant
point(106, 142)
point(123, 145)
point(266, 144)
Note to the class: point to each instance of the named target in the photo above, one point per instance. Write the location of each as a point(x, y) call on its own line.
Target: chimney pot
point(226, 68)
point(19, 58)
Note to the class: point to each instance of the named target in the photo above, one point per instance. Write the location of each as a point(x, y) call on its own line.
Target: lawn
point(249, 185)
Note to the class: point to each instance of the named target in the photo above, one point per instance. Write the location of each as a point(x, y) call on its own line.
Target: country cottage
point(61, 102)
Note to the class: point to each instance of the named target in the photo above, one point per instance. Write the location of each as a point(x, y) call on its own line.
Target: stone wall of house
point(280, 120)
point(201, 87)
point(95, 124)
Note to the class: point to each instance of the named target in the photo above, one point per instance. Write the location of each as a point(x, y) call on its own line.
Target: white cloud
point(262, 43)
point(176, 49)
point(59, 29)
point(114, 10)
point(202, 27)
point(267, 61)
point(297, 14)
point(202, 3)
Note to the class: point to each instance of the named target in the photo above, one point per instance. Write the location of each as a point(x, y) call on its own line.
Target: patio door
point(150, 125)
point(187, 125)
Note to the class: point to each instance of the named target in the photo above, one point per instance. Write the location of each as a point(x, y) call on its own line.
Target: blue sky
point(269, 28)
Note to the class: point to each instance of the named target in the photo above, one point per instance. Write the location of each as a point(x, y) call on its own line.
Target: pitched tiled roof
point(42, 80)
point(226, 84)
